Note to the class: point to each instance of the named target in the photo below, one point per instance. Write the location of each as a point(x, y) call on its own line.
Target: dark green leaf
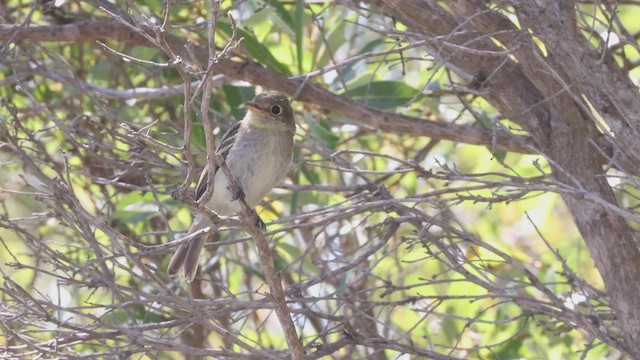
point(100, 71)
point(197, 132)
point(499, 155)
point(153, 5)
point(383, 94)
point(485, 121)
point(322, 132)
point(134, 217)
point(237, 96)
point(449, 327)
point(348, 72)
point(249, 269)
point(293, 251)
point(510, 350)
point(282, 12)
point(259, 52)
point(298, 31)
point(145, 53)
point(311, 176)
point(372, 45)
point(280, 263)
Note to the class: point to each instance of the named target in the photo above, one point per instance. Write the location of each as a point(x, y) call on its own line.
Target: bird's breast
point(259, 159)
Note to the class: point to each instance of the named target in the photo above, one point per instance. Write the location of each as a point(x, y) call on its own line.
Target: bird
point(258, 151)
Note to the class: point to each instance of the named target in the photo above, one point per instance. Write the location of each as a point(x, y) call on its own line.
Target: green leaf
point(138, 206)
point(383, 94)
point(349, 72)
point(499, 155)
point(282, 13)
point(197, 132)
point(237, 96)
point(259, 52)
point(322, 131)
point(311, 176)
point(153, 5)
point(449, 327)
point(511, 349)
point(293, 251)
point(134, 197)
point(298, 31)
point(485, 121)
point(279, 262)
point(335, 40)
point(145, 53)
point(100, 71)
point(134, 217)
point(249, 269)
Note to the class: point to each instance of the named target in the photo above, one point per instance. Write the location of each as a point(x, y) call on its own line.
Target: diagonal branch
point(85, 31)
point(271, 275)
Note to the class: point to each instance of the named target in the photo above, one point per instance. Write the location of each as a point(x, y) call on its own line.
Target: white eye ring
point(275, 110)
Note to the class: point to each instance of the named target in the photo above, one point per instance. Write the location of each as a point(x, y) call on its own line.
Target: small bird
point(257, 151)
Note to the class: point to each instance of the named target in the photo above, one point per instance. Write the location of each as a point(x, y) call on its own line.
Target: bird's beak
point(253, 106)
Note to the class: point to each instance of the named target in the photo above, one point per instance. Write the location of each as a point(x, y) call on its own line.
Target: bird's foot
point(259, 223)
point(237, 194)
point(254, 218)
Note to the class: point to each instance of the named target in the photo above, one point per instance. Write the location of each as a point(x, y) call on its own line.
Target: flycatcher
point(258, 152)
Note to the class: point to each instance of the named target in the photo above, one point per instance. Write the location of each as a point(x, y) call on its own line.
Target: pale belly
point(256, 171)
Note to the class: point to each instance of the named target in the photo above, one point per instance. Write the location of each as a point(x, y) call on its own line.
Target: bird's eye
point(275, 110)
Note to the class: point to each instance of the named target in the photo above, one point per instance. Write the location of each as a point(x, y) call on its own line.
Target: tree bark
point(534, 92)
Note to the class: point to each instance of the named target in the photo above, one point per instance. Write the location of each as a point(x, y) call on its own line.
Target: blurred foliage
point(346, 184)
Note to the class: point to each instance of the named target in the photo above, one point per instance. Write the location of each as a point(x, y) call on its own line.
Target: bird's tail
point(188, 254)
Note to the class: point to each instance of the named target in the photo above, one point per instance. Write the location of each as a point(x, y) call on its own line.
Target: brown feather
point(275, 136)
point(223, 149)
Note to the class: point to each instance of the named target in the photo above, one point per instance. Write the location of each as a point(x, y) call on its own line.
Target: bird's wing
point(223, 149)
